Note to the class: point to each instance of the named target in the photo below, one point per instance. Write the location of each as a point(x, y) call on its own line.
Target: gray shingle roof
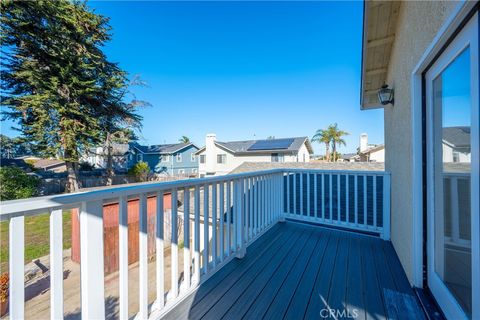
point(355, 166)
point(163, 148)
point(243, 146)
point(457, 136)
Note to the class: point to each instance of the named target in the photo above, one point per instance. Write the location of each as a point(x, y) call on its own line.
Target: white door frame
point(447, 30)
point(467, 37)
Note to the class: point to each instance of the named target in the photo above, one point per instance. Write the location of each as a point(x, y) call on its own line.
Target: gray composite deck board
point(295, 271)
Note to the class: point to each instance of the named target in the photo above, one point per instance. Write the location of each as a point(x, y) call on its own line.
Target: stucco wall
point(419, 22)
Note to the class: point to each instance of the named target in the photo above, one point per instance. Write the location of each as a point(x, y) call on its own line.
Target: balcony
point(275, 243)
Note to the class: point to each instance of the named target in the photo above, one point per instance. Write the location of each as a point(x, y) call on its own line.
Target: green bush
point(16, 184)
point(140, 171)
point(85, 166)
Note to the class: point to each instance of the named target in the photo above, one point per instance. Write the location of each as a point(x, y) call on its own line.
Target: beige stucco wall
point(419, 22)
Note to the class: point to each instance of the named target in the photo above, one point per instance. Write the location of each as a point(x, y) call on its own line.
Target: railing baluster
point(239, 219)
point(250, 203)
point(315, 196)
point(159, 246)
point(347, 198)
point(222, 217)
point(91, 257)
point(123, 256)
point(288, 192)
point(186, 238)
point(197, 235)
point(339, 203)
point(16, 267)
point(255, 205)
point(374, 201)
point(301, 194)
point(214, 225)
point(323, 197)
point(308, 195)
point(365, 201)
point(229, 216)
point(174, 245)
point(206, 225)
point(56, 264)
point(355, 189)
point(143, 258)
point(295, 193)
point(330, 192)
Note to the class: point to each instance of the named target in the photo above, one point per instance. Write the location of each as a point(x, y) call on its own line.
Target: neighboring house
point(370, 152)
point(52, 165)
point(218, 158)
point(349, 157)
point(97, 157)
point(428, 53)
point(170, 159)
point(456, 144)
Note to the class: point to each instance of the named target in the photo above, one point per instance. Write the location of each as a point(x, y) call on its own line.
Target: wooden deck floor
point(298, 271)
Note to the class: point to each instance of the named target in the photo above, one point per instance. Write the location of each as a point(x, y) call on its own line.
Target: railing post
point(56, 264)
point(239, 223)
point(386, 207)
point(16, 267)
point(91, 257)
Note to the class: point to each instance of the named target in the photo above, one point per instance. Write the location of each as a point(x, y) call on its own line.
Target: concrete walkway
point(37, 291)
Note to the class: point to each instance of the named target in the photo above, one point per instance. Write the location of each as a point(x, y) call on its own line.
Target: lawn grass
point(37, 238)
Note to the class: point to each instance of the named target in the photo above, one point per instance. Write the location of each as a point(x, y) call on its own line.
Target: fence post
point(386, 207)
point(91, 257)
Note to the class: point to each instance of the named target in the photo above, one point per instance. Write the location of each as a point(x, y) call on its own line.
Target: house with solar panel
point(177, 159)
point(219, 158)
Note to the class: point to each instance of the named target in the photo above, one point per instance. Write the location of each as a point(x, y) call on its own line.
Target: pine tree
point(56, 80)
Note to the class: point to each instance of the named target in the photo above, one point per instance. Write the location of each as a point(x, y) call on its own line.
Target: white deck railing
point(358, 200)
point(237, 208)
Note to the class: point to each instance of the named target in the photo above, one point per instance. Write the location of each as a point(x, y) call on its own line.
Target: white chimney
point(210, 152)
point(363, 142)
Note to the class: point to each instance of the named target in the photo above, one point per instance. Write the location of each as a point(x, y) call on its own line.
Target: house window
point(221, 158)
point(456, 156)
point(181, 171)
point(276, 157)
point(194, 170)
point(193, 157)
point(165, 158)
point(139, 157)
point(202, 158)
point(179, 157)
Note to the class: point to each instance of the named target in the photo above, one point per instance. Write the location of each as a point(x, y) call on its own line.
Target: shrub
point(16, 184)
point(85, 166)
point(140, 171)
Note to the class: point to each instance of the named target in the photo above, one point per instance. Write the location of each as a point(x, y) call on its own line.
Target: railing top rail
point(13, 208)
point(19, 207)
point(357, 172)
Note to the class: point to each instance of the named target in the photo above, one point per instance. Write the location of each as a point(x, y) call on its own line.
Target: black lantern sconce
point(385, 95)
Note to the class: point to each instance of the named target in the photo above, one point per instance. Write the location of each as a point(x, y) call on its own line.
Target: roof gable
point(163, 148)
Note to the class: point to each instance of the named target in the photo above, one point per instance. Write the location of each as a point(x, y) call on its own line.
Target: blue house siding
point(167, 163)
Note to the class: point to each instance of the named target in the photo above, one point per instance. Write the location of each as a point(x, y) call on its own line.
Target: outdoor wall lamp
point(385, 95)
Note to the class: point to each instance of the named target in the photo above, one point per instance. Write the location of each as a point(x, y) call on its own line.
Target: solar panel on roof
point(274, 144)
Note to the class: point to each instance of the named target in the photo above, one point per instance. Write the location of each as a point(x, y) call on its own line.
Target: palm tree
point(336, 136)
point(184, 139)
point(323, 136)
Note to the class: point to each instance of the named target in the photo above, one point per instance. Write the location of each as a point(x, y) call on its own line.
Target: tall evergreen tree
point(56, 80)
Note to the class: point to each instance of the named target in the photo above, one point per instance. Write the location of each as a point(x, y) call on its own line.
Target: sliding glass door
point(452, 102)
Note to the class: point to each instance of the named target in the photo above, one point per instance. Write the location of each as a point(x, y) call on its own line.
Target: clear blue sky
point(243, 69)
